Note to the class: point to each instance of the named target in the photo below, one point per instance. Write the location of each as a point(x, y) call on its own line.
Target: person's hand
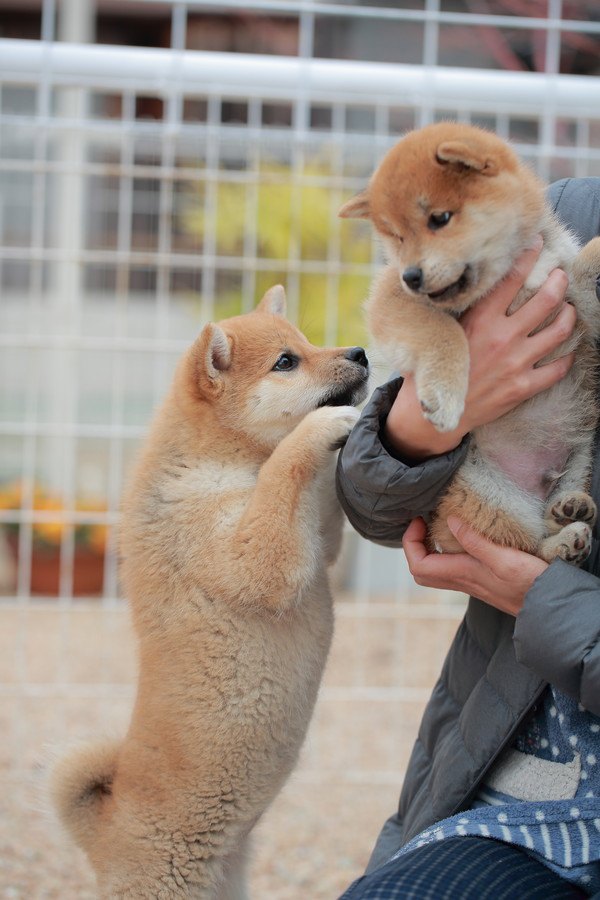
point(503, 357)
point(500, 576)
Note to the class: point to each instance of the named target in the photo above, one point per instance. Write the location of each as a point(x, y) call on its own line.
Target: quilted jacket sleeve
point(379, 492)
point(557, 633)
point(576, 202)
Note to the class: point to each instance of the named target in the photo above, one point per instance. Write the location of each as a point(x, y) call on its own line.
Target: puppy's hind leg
point(493, 523)
point(569, 501)
point(233, 886)
point(573, 544)
point(571, 512)
point(570, 506)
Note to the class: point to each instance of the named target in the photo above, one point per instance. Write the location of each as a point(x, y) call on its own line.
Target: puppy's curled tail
point(80, 784)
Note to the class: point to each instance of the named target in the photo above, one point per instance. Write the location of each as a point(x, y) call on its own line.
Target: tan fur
point(459, 500)
point(525, 479)
point(229, 524)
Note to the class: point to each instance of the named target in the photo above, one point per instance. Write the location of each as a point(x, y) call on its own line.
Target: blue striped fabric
point(465, 868)
point(563, 834)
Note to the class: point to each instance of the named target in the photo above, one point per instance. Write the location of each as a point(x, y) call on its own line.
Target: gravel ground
point(68, 673)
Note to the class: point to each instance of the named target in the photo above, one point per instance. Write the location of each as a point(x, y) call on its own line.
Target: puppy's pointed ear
point(356, 207)
point(466, 156)
point(213, 357)
point(273, 301)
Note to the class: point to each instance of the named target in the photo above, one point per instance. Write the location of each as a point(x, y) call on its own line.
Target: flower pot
point(88, 570)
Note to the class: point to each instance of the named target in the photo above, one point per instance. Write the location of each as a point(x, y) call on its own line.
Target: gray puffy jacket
point(497, 667)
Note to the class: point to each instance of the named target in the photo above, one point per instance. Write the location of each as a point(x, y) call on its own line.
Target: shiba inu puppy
point(229, 525)
point(454, 208)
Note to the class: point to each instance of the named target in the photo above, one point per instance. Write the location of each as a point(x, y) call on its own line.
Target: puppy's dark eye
point(438, 220)
point(598, 287)
point(286, 362)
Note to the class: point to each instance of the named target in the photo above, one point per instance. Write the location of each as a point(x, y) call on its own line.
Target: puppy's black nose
point(413, 277)
point(357, 355)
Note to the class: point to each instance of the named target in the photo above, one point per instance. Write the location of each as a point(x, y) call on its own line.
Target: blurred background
point(161, 165)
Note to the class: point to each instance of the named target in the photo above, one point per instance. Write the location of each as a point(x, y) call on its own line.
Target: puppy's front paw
point(441, 406)
point(334, 424)
point(574, 506)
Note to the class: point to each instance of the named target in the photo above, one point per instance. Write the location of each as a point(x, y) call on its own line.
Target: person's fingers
point(472, 542)
point(504, 293)
point(499, 575)
point(553, 335)
point(499, 299)
point(436, 570)
point(413, 541)
point(542, 377)
point(503, 562)
point(544, 302)
point(522, 268)
point(447, 571)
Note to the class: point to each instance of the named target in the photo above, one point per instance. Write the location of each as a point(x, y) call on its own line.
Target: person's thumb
point(472, 542)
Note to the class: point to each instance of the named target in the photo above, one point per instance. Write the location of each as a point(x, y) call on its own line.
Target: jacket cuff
point(557, 632)
point(371, 465)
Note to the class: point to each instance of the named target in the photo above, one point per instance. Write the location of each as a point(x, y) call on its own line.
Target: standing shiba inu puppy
point(229, 525)
point(454, 208)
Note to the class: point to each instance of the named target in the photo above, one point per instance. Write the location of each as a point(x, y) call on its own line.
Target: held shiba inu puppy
point(229, 525)
point(454, 208)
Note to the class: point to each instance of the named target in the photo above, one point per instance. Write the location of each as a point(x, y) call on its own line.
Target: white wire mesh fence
point(146, 191)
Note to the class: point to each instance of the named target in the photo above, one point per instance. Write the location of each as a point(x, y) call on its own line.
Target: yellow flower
point(11, 495)
point(96, 540)
point(92, 536)
point(50, 532)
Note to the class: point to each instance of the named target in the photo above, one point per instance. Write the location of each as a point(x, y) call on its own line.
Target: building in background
point(229, 28)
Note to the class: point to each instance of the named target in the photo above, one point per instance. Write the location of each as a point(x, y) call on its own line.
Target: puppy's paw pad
point(574, 507)
point(575, 542)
